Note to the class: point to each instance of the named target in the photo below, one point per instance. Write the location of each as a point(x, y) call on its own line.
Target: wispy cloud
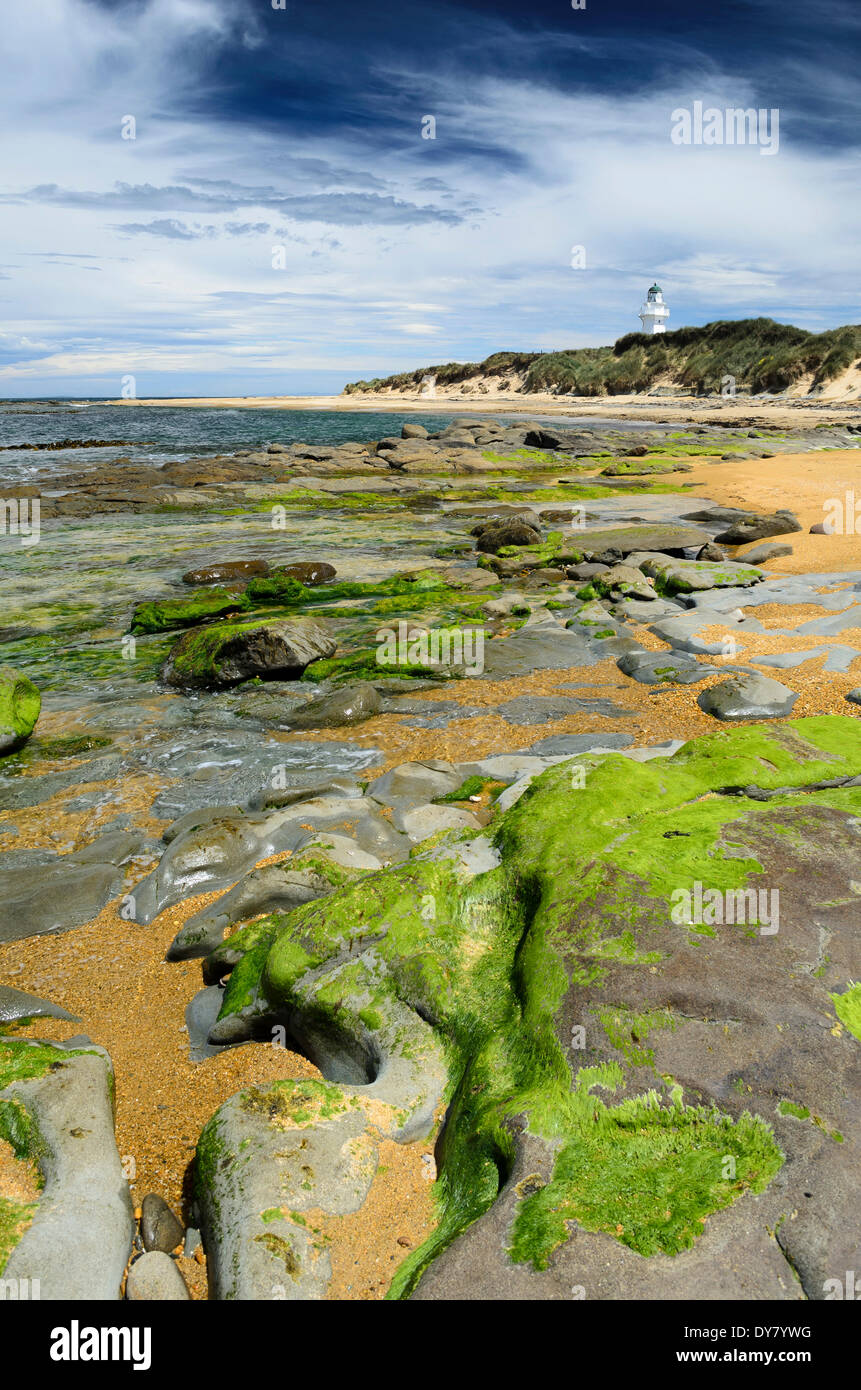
point(173, 230)
point(341, 209)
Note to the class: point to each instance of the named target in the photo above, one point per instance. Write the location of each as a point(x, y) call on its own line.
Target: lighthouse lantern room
point(654, 311)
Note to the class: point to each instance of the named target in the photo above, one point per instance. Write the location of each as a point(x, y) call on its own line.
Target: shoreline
point(657, 410)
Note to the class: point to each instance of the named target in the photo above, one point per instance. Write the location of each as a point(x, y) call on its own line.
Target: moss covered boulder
point(226, 653)
point(692, 576)
point(20, 704)
point(162, 615)
point(294, 585)
point(56, 1112)
point(641, 982)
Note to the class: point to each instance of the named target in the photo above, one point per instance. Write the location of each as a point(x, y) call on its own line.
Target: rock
point(823, 528)
point(854, 695)
point(714, 552)
point(663, 668)
point(162, 615)
point(351, 704)
point(538, 709)
point(472, 580)
point(642, 972)
point(421, 821)
point(515, 532)
point(762, 553)
point(201, 1015)
point(415, 456)
point(545, 577)
point(414, 432)
point(309, 572)
point(691, 576)
point(20, 704)
point(759, 528)
point(271, 888)
point(506, 604)
point(160, 1229)
point(572, 745)
point(217, 855)
point(303, 790)
point(193, 820)
point(54, 897)
point(15, 1005)
point(414, 782)
point(747, 697)
point(192, 1242)
point(537, 649)
point(81, 1234)
point(717, 516)
point(507, 512)
point(586, 570)
point(116, 847)
point(667, 538)
point(623, 580)
point(156, 1278)
point(271, 704)
point(342, 851)
point(227, 653)
point(225, 571)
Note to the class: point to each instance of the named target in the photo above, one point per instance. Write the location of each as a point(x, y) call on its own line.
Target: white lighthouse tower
point(654, 311)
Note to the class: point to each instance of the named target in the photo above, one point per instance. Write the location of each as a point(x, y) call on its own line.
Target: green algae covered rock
point(626, 978)
point(20, 704)
point(282, 587)
point(56, 1112)
point(690, 576)
point(226, 653)
point(161, 615)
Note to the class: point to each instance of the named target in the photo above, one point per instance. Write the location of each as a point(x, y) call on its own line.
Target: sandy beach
point(784, 412)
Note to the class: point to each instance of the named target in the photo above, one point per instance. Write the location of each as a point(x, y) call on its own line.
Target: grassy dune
point(762, 356)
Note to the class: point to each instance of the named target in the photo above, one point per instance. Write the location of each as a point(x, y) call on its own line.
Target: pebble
point(155, 1278)
point(160, 1229)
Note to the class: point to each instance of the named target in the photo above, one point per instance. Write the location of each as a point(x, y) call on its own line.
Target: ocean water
point(157, 434)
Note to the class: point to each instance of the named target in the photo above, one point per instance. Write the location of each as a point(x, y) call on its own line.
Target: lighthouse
point(654, 311)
